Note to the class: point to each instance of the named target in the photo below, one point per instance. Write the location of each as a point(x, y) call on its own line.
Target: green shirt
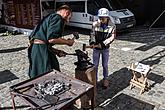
point(40, 57)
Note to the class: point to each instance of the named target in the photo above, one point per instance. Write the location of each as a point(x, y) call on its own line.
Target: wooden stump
point(88, 76)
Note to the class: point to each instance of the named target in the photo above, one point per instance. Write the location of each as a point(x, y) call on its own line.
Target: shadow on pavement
point(152, 38)
point(12, 50)
point(118, 81)
point(156, 78)
point(125, 102)
point(6, 76)
point(154, 59)
point(159, 41)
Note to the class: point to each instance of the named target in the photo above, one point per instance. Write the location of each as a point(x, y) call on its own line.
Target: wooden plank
point(140, 84)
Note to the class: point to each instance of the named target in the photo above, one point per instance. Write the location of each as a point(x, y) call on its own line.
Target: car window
point(75, 6)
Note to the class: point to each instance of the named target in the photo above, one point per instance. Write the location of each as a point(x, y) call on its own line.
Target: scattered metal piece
point(52, 88)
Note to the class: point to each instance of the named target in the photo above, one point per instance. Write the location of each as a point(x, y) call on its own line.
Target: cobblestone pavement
point(139, 45)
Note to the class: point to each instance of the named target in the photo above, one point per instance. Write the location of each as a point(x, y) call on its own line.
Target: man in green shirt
point(42, 57)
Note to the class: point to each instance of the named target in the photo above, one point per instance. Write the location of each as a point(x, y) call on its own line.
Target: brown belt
point(37, 41)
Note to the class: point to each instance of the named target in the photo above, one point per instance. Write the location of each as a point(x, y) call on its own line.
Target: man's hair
point(66, 7)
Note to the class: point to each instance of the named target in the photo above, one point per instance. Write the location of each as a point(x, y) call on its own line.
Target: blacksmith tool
point(90, 46)
point(24, 88)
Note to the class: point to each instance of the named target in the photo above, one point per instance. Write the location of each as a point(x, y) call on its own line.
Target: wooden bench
point(140, 72)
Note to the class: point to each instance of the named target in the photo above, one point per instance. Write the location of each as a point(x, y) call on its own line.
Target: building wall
point(137, 7)
point(146, 11)
point(0, 10)
point(22, 13)
point(155, 8)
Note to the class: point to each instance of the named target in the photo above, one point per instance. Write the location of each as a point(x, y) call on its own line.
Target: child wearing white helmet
point(103, 34)
point(103, 12)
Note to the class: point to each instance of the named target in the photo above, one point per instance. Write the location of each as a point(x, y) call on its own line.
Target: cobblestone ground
point(139, 45)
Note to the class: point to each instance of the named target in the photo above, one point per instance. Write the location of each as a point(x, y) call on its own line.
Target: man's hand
point(61, 53)
point(62, 41)
point(96, 46)
point(70, 42)
point(92, 46)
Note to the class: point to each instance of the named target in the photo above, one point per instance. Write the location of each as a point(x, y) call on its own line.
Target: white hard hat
point(103, 12)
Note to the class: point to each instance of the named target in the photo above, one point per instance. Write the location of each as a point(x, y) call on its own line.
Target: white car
point(84, 12)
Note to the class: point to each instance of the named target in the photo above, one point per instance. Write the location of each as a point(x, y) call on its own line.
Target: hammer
point(74, 54)
point(90, 46)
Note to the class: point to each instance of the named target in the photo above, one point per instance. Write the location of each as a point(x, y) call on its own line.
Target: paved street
point(137, 45)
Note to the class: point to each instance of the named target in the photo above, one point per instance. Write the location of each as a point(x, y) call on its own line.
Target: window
point(94, 5)
point(92, 8)
point(48, 5)
point(75, 6)
point(116, 4)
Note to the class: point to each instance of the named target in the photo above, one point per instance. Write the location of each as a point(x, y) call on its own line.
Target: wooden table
point(25, 90)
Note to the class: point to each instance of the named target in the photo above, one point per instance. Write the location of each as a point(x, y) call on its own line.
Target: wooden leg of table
point(142, 90)
point(131, 85)
point(92, 103)
point(13, 102)
point(132, 79)
point(92, 100)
